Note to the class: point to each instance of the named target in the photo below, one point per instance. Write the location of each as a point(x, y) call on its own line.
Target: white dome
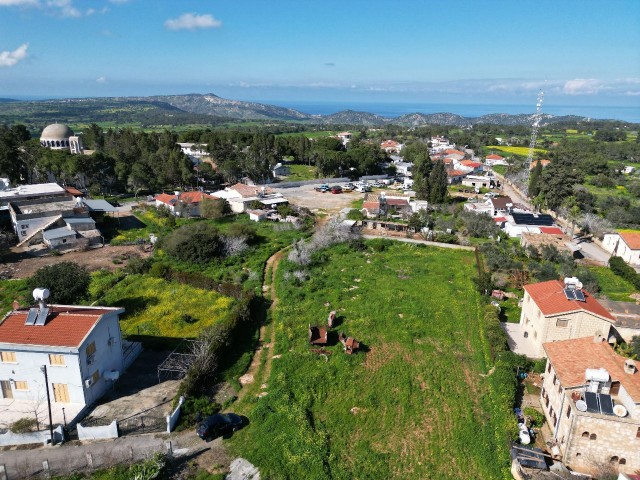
point(56, 136)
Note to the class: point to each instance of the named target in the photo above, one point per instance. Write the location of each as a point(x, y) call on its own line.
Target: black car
point(218, 424)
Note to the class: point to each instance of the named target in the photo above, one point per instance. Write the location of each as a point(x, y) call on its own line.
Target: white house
point(624, 244)
point(81, 347)
point(189, 200)
point(195, 151)
point(241, 196)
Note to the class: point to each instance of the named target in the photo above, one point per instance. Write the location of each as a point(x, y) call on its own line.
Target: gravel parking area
point(306, 196)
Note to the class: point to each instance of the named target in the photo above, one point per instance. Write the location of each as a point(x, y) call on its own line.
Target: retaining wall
point(95, 433)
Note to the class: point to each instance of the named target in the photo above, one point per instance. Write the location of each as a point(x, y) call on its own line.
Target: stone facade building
point(591, 399)
point(548, 315)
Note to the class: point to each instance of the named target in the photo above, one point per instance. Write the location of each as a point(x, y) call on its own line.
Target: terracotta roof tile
point(551, 300)
point(570, 359)
point(396, 201)
point(65, 327)
point(371, 205)
point(186, 197)
point(456, 173)
point(166, 198)
point(493, 156)
point(551, 230)
point(631, 238)
point(500, 219)
point(470, 163)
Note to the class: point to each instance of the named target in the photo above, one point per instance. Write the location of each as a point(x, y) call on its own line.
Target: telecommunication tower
point(537, 117)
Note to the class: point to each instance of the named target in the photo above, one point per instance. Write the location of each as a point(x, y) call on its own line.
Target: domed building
point(58, 136)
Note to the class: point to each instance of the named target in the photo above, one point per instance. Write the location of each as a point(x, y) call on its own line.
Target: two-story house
point(553, 311)
point(591, 399)
point(81, 347)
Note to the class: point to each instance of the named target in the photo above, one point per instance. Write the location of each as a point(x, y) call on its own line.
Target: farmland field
point(613, 286)
point(413, 404)
point(521, 151)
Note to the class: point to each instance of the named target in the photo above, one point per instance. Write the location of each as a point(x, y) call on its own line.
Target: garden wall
point(95, 433)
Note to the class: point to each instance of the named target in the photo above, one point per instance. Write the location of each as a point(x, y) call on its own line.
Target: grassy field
point(413, 404)
point(11, 290)
point(159, 308)
point(613, 286)
point(521, 151)
point(300, 173)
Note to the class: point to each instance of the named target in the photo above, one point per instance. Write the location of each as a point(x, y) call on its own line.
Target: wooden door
point(60, 392)
point(6, 389)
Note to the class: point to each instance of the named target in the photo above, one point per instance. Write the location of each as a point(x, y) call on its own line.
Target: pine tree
point(534, 180)
point(438, 183)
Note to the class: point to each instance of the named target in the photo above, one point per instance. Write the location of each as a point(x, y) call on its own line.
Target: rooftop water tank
point(597, 375)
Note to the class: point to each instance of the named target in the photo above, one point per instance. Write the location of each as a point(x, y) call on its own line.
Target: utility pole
point(43, 368)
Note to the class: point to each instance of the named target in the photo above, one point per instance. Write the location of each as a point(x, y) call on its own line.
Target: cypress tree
point(534, 180)
point(438, 183)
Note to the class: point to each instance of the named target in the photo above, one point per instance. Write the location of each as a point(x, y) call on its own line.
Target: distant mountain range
point(209, 108)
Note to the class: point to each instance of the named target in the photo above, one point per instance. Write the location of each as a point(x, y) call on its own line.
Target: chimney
point(177, 194)
point(630, 366)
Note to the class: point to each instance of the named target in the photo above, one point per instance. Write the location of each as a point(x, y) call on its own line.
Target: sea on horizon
point(393, 110)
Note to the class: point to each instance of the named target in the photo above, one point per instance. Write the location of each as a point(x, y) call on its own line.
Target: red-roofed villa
point(81, 347)
point(553, 311)
point(624, 244)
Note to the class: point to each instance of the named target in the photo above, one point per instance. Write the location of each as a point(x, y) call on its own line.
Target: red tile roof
point(166, 198)
point(551, 300)
point(456, 173)
point(493, 156)
point(452, 151)
point(389, 144)
point(499, 219)
point(65, 327)
point(551, 230)
point(570, 359)
point(470, 163)
point(371, 205)
point(74, 191)
point(186, 197)
point(631, 238)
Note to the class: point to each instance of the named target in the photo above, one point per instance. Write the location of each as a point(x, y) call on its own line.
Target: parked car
point(218, 424)
point(336, 189)
point(322, 188)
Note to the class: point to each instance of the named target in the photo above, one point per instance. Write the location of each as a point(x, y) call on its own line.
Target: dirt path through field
point(255, 374)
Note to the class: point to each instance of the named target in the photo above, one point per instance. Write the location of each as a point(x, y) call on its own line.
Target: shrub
point(537, 418)
point(67, 281)
point(620, 268)
point(23, 425)
point(355, 214)
point(159, 270)
point(138, 265)
point(199, 405)
point(214, 208)
point(380, 244)
point(248, 232)
point(196, 243)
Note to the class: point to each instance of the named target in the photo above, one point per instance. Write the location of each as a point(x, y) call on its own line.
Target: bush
point(355, 214)
point(479, 225)
point(537, 418)
point(620, 268)
point(195, 406)
point(196, 243)
point(160, 270)
point(241, 230)
point(67, 281)
point(23, 425)
point(380, 244)
point(214, 208)
point(138, 265)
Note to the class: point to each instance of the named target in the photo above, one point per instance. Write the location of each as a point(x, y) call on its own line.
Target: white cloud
point(64, 8)
point(9, 59)
point(582, 86)
point(192, 21)
point(101, 80)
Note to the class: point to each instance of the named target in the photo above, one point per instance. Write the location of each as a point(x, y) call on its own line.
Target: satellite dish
point(620, 411)
point(581, 405)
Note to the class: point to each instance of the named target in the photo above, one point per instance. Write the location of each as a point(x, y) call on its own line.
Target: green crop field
point(155, 307)
point(413, 404)
point(521, 151)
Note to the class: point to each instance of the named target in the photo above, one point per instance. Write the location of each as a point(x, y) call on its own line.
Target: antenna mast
point(537, 117)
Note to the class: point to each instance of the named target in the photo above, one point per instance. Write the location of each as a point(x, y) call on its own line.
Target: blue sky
point(448, 51)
